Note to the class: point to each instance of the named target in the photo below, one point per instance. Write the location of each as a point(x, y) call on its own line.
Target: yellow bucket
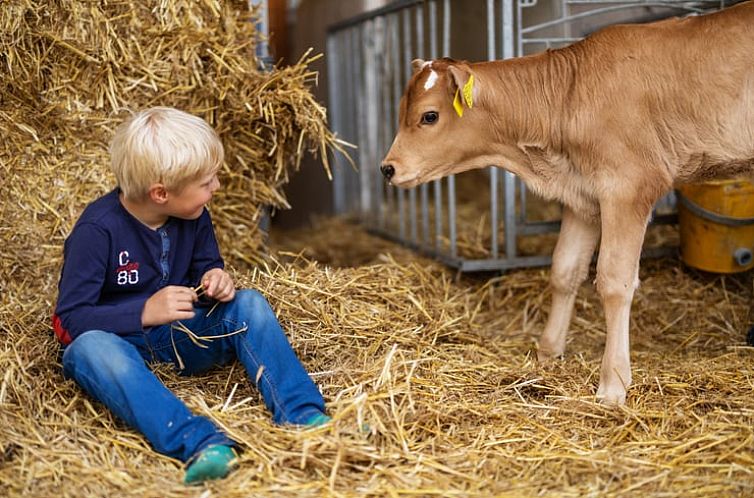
point(716, 221)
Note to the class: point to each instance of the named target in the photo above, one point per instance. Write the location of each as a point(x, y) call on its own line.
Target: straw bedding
point(440, 368)
point(429, 374)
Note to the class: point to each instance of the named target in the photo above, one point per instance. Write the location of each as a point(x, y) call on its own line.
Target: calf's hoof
point(548, 350)
point(611, 395)
point(544, 356)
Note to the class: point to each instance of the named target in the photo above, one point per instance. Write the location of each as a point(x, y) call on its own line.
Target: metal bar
point(493, 171)
point(362, 116)
point(505, 264)
point(519, 34)
point(396, 6)
point(432, 29)
point(438, 183)
point(452, 215)
point(369, 43)
point(507, 35)
point(490, 30)
point(378, 105)
point(438, 213)
point(386, 132)
point(432, 55)
point(605, 10)
point(551, 40)
point(395, 73)
point(334, 94)
point(352, 180)
point(419, 32)
point(494, 206)
point(405, 63)
point(642, 3)
point(446, 28)
point(419, 25)
point(510, 214)
point(538, 227)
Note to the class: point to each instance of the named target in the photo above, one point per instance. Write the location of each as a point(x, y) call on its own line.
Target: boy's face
point(189, 203)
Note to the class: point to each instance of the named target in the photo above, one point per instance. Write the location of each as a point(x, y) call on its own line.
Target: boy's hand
point(167, 305)
point(218, 285)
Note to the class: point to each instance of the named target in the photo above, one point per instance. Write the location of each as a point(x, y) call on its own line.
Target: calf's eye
point(429, 117)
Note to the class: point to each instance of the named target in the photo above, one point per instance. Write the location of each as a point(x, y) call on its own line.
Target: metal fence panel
point(369, 63)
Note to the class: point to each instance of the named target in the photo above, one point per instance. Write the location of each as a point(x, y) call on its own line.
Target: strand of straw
point(196, 339)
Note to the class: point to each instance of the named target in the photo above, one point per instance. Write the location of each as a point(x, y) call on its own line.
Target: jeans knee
point(87, 345)
point(254, 310)
point(97, 350)
point(252, 301)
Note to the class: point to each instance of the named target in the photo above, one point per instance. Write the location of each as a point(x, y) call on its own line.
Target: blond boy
point(135, 265)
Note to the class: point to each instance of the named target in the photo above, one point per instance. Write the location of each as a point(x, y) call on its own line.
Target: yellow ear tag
point(457, 105)
point(467, 89)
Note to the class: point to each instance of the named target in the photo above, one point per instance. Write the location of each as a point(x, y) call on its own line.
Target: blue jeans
point(112, 369)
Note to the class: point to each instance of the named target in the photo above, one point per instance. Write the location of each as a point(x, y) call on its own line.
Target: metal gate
point(369, 62)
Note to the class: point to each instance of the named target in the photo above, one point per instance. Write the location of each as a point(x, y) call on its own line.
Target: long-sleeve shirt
point(113, 263)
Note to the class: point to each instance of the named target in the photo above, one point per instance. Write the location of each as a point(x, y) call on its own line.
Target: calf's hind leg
point(570, 267)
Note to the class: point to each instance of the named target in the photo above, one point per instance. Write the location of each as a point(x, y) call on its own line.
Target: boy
point(134, 266)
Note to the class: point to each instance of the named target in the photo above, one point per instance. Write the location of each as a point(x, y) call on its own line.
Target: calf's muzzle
point(387, 171)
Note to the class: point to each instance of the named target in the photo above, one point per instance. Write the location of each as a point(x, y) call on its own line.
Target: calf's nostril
point(387, 171)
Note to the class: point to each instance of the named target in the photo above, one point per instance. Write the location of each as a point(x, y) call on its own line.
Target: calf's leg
point(623, 230)
point(570, 267)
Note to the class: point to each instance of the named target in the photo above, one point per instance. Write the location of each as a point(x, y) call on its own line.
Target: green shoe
point(321, 419)
point(214, 462)
point(317, 420)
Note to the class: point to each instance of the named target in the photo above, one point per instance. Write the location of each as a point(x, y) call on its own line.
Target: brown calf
point(606, 126)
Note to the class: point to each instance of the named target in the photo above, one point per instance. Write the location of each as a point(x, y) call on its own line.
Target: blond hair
point(163, 145)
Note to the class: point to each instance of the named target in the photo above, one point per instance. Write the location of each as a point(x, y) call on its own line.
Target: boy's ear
point(158, 193)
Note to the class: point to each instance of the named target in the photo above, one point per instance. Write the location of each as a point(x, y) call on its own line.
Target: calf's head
point(439, 126)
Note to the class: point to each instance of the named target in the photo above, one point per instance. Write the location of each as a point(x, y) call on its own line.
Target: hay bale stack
point(72, 70)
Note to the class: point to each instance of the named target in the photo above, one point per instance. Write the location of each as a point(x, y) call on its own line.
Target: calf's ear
point(417, 65)
point(462, 87)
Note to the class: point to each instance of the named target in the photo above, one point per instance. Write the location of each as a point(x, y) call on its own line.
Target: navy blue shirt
point(113, 263)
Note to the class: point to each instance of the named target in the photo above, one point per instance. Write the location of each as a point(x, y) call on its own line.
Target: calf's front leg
point(623, 229)
point(570, 267)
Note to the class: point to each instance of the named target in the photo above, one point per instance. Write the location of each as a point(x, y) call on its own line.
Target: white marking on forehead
point(427, 63)
point(431, 80)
